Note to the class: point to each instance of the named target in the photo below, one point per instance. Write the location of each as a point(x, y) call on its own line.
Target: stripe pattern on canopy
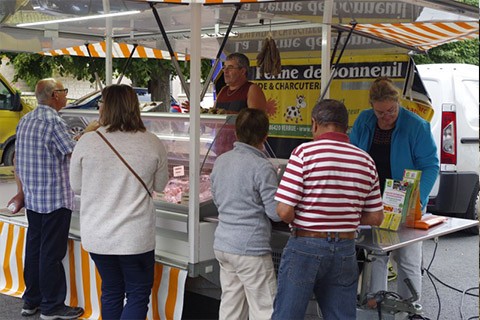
point(421, 36)
point(119, 50)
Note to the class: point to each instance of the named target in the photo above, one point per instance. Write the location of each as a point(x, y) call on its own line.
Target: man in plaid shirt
point(43, 147)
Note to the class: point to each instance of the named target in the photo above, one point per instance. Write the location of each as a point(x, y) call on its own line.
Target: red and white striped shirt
point(330, 182)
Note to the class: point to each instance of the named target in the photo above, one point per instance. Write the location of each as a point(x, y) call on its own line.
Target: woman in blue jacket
point(397, 139)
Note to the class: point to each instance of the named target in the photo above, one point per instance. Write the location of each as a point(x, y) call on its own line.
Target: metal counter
point(378, 242)
point(381, 241)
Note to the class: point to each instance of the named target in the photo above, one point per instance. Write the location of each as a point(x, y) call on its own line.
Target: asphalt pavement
point(454, 269)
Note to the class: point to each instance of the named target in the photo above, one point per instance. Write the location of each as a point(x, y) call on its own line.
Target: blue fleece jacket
point(412, 146)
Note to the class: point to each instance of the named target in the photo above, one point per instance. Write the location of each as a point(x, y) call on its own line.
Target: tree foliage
point(33, 67)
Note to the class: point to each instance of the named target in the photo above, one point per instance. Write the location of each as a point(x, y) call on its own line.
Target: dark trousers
point(46, 246)
point(129, 276)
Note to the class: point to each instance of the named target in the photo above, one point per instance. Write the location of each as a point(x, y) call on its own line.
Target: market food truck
point(308, 34)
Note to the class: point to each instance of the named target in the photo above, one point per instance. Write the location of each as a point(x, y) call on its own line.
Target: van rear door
point(467, 97)
point(453, 89)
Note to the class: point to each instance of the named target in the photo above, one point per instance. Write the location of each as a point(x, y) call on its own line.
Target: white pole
point(326, 46)
point(108, 41)
point(194, 172)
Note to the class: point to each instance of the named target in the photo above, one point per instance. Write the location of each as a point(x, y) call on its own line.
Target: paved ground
point(456, 264)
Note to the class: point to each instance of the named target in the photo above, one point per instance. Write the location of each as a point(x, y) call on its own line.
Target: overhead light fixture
point(97, 16)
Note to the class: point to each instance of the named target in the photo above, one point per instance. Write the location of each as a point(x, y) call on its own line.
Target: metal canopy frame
point(170, 49)
point(176, 19)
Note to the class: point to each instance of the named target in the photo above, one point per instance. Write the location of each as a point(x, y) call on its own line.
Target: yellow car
point(12, 108)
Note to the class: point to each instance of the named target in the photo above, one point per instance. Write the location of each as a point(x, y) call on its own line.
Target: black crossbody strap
point(124, 162)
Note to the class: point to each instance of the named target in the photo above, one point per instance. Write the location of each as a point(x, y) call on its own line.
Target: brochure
point(395, 206)
point(401, 200)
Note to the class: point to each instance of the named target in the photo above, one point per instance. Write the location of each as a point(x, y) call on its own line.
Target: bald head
point(51, 92)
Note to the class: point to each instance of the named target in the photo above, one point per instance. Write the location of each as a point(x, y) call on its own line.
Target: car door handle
point(469, 140)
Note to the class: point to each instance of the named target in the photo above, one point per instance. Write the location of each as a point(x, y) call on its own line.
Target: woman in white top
point(117, 218)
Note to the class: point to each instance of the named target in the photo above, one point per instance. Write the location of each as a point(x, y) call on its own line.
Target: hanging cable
point(436, 293)
point(461, 302)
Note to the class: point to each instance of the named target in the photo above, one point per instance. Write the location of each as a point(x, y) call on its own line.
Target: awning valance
point(420, 36)
point(119, 50)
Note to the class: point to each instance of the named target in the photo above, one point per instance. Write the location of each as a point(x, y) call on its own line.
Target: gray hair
point(44, 89)
point(241, 59)
point(331, 111)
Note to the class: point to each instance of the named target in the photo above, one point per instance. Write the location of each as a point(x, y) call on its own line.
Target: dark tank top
point(235, 100)
point(380, 153)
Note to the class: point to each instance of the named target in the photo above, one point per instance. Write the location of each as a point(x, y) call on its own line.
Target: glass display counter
point(217, 135)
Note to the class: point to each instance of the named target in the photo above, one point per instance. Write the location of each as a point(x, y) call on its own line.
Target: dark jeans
point(46, 246)
point(129, 276)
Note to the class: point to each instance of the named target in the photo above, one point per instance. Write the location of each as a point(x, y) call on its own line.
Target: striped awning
point(420, 36)
point(119, 50)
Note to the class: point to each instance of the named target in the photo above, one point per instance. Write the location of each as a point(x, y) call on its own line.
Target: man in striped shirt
point(329, 187)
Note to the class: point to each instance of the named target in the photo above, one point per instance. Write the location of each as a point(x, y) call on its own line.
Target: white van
point(454, 91)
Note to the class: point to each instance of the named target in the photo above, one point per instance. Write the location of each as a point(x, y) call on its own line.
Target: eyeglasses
point(230, 68)
point(61, 90)
point(389, 112)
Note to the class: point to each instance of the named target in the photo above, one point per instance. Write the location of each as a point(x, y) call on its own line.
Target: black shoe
point(29, 310)
point(64, 313)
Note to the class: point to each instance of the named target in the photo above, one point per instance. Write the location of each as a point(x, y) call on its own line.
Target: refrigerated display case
point(173, 244)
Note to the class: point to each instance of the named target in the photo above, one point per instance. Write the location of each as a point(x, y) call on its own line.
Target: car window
point(5, 97)
point(89, 101)
point(144, 97)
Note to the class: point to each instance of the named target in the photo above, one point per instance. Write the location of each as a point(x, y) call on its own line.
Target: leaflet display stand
point(401, 201)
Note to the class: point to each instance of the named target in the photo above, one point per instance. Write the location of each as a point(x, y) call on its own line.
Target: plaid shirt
point(42, 148)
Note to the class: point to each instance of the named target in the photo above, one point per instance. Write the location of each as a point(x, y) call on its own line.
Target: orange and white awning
point(420, 36)
point(119, 50)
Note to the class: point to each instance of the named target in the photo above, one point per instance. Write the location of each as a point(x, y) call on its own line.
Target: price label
point(178, 171)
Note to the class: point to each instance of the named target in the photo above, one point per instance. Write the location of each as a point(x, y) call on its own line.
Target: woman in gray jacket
point(244, 183)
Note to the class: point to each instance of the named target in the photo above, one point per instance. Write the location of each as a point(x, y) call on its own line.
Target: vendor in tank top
point(239, 93)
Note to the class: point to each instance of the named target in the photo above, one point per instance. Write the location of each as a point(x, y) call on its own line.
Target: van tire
point(8, 154)
point(472, 211)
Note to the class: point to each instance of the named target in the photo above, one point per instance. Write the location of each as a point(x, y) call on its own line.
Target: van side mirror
point(16, 102)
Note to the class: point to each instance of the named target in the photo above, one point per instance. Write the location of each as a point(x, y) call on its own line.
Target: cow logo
point(293, 112)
